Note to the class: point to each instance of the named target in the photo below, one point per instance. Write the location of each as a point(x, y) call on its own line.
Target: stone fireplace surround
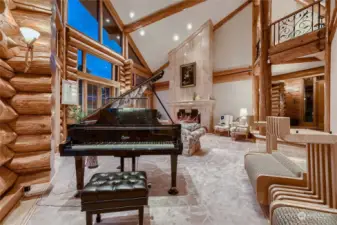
point(197, 48)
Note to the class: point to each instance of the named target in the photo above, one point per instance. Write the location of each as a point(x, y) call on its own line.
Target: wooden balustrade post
point(255, 78)
point(327, 68)
point(265, 76)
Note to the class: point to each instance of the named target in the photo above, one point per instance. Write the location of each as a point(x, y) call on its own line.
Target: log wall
point(278, 105)
point(25, 103)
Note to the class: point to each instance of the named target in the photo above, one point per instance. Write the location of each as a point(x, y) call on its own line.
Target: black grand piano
point(125, 133)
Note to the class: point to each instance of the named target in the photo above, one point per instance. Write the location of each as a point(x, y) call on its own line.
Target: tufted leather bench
point(114, 192)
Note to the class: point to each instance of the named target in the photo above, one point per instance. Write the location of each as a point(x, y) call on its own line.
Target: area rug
point(213, 189)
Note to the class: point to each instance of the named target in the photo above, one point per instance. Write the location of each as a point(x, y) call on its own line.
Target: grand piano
point(124, 132)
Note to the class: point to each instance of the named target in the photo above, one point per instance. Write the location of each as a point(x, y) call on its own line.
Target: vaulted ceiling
point(158, 39)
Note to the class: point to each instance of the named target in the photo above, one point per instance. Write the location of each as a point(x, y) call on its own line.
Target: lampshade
point(29, 34)
point(243, 112)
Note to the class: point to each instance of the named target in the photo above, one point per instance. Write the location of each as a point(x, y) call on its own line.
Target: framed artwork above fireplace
point(188, 75)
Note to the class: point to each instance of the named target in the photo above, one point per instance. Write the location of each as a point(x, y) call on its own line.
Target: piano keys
point(124, 133)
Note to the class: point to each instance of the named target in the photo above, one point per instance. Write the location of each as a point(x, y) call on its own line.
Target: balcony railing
point(300, 22)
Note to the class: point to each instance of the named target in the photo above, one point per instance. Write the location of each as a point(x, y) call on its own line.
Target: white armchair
point(224, 124)
point(242, 127)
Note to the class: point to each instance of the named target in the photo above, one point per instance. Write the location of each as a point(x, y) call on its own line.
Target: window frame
point(84, 95)
point(101, 4)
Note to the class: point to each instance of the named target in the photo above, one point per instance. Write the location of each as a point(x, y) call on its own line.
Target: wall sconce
point(30, 36)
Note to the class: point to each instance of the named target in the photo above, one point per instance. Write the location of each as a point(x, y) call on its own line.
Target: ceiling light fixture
point(189, 26)
point(142, 32)
point(107, 20)
point(132, 14)
point(118, 37)
point(176, 37)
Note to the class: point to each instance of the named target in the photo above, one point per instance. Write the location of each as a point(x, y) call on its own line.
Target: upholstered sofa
point(297, 213)
point(265, 169)
point(190, 135)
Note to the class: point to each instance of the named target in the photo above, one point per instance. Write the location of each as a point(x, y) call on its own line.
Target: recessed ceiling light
point(142, 32)
point(189, 26)
point(132, 14)
point(176, 37)
point(107, 20)
point(118, 37)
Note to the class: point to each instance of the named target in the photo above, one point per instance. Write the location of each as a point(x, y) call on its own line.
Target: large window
point(133, 56)
point(92, 98)
point(105, 95)
point(99, 67)
point(83, 16)
point(112, 35)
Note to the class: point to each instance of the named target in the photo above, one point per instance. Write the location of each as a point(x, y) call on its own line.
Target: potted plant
point(75, 114)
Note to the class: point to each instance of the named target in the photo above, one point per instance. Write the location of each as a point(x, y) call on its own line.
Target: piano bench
point(115, 192)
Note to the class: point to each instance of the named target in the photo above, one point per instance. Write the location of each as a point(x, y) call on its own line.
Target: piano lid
point(125, 98)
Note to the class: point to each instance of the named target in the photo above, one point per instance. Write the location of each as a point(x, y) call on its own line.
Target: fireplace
point(201, 111)
point(191, 116)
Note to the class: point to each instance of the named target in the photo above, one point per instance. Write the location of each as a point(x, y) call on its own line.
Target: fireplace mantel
point(192, 103)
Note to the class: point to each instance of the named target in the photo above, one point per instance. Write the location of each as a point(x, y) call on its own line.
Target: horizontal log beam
point(301, 60)
point(232, 77)
point(40, 6)
point(31, 143)
point(35, 178)
point(92, 50)
point(160, 14)
point(161, 86)
point(24, 163)
point(232, 71)
point(24, 125)
point(39, 65)
point(32, 104)
point(297, 52)
point(32, 83)
point(299, 74)
point(93, 44)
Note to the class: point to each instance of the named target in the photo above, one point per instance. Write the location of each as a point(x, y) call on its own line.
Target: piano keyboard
point(124, 146)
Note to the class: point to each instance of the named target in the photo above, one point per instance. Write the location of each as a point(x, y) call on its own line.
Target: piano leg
point(174, 162)
point(133, 163)
point(122, 164)
point(79, 164)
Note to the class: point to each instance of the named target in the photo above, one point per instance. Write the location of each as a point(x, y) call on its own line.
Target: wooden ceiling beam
point(232, 71)
point(114, 13)
point(299, 74)
point(160, 14)
point(161, 68)
point(231, 15)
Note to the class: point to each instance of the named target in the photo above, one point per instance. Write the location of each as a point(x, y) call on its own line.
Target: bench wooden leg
point(89, 218)
point(141, 215)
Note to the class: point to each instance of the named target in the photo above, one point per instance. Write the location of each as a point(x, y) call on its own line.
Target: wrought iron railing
point(300, 22)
